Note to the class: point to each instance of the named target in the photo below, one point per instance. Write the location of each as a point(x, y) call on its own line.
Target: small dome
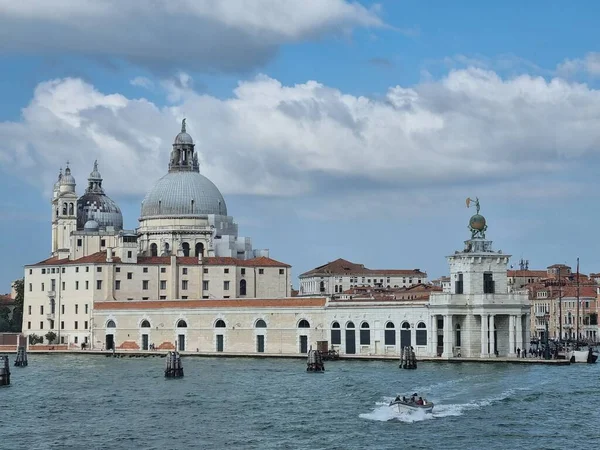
point(477, 222)
point(183, 194)
point(67, 178)
point(99, 208)
point(95, 175)
point(183, 138)
point(91, 225)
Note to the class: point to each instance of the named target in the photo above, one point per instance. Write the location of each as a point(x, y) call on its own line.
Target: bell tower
point(64, 212)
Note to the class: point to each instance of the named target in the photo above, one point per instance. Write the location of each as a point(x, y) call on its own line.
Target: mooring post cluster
point(4, 371)
point(174, 368)
point(315, 361)
point(21, 359)
point(408, 359)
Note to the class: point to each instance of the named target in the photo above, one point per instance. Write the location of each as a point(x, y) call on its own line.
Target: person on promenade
point(518, 352)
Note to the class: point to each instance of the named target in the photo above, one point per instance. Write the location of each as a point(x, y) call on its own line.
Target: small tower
point(64, 211)
point(183, 157)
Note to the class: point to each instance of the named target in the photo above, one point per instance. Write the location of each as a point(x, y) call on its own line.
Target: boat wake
point(384, 413)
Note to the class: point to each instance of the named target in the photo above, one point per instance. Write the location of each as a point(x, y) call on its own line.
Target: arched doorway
point(186, 249)
point(110, 335)
point(199, 249)
point(153, 250)
point(145, 326)
point(303, 337)
point(220, 324)
point(260, 325)
point(350, 338)
point(242, 287)
point(181, 324)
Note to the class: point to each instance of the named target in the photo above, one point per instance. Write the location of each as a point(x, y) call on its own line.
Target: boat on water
point(413, 403)
point(578, 355)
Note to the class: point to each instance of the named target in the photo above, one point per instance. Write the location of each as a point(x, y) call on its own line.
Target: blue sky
point(333, 129)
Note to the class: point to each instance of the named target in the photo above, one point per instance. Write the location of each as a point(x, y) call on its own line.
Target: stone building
point(340, 275)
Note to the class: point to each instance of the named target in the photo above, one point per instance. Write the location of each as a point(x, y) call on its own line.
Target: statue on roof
point(477, 223)
point(183, 126)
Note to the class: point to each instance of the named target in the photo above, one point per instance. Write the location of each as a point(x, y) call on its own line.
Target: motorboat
point(410, 404)
point(581, 356)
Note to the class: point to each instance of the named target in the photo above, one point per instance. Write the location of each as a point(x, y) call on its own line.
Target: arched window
point(242, 287)
point(405, 326)
point(336, 289)
point(56, 212)
point(390, 334)
point(220, 323)
point(421, 333)
point(153, 250)
point(336, 334)
point(199, 249)
point(303, 324)
point(186, 249)
point(365, 334)
point(260, 324)
point(322, 286)
point(167, 248)
point(350, 325)
point(145, 324)
point(64, 209)
point(71, 209)
point(110, 324)
point(181, 324)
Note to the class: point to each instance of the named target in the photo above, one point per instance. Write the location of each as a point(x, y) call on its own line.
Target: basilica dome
point(183, 191)
point(183, 194)
point(96, 206)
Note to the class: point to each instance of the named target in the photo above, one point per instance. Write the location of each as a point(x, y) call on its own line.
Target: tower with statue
point(478, 317)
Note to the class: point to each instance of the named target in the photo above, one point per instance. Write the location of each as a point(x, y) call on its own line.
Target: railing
point(51, 293)
point(50, 316)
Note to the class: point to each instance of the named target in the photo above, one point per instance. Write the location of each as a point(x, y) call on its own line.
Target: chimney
point(109, 255)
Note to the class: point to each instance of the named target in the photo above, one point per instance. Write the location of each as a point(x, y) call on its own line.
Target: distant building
point(340, 275)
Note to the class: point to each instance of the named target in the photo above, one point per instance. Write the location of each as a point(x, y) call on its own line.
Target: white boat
point(406, 404)
point(581, 356)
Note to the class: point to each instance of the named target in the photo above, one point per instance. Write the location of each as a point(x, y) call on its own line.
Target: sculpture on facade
point(477, 223)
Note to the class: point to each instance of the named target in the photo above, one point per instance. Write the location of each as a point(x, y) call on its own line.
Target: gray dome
point(67, 178)
point(183, 194)
point(91, 225)
point(100, 208)
point(183, 138)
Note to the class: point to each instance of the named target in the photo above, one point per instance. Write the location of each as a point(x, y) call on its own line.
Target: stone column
point(511, 335)
point(519, 332)
point(447, 353)
point(484, 335)
point(492, 339)
point(433, 336)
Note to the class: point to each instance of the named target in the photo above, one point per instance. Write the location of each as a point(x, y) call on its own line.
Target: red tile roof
point(529, 273)
point(343, 267)
point(296, 302)
point(6, 299)
point(100, 258)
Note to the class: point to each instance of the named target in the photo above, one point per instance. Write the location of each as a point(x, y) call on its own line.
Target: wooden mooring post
point(408, 359)
point(174, 368)
point(21, 359)
point(4, 371)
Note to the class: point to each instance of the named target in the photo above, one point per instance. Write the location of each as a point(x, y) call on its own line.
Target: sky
point(334, 129)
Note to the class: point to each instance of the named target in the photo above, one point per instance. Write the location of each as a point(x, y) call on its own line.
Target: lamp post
point(546, 346)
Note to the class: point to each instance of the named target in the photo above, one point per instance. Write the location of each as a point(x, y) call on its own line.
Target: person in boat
point(420, 401)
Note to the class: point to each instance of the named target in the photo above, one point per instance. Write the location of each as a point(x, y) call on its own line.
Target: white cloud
point(227, 35)
point(142, 82)
point(470, 128)
point(589, 64)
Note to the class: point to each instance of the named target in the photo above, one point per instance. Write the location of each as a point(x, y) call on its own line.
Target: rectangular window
point(53, 270)
point(184, 271)
point(29, 309)
point(145, 298)
point(76, 285)
point(243, 271)
point(184, 297)
point(421, 336)
point(86, 308)
point(261, 271)
point(87, 268)
point(117, 285)
point(145, 270)
point(77, 269)
point(225, 285)
point(85, 325)
point(98, 284)
point(63, 285)
point(458, 284)
point(281, 271)
point(76, 309)
point(336, 336)
point(205, 285)
point(163, 297)
point(52, 324)
point(205, 270)
point(184, 285)
point(163, 284)
point(63, 270)
point(87, 284)
point(43, 271)
point(145, 285)
point(365, 337)
point(205, 297)
point(98, 269)
point(129, 255)
point(62, 309)
point(30, 271)
point(488, 283)
point(130, 275)
point(163, 270)
point(30, 287)
point(42, 287)
point(62, 325)
point(226, 270)
point(76, 325)
point(41, 325)
point(79, 242)
point(76, 339)
point(42, 309)
point(102, 242)
point(390, 336)
point(117, 269)
point(29, 325)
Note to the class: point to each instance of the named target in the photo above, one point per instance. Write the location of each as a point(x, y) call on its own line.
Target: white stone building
point(186, 246)
point(340, 275)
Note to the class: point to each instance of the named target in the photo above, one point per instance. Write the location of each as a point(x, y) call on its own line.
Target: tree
point(17, 315)
point(50, 337)
point(35, 339)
